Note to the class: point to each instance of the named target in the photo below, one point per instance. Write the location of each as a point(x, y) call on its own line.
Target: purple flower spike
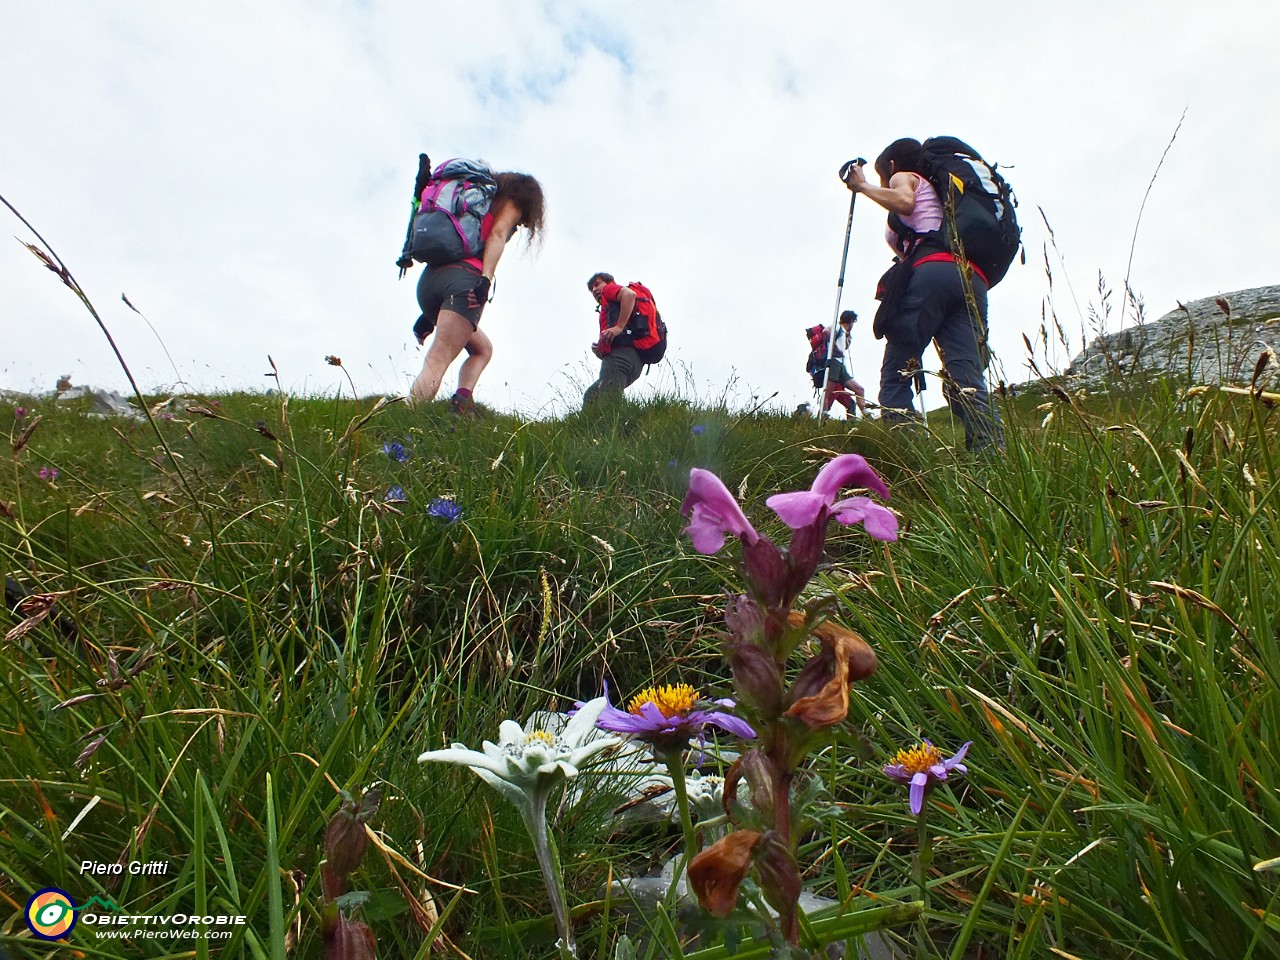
point(805, 507)
point(713, 512)
point(669, 717)
point(49, 474)
point(924, 767)
point(19, 413)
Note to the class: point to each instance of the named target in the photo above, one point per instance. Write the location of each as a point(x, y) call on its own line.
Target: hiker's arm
point(626, 304)
point(505, 220)
point(899, 197)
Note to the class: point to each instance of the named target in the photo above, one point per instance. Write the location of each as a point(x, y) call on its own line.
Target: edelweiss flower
point(705, 792)
point(525, 766)
point(923, 767)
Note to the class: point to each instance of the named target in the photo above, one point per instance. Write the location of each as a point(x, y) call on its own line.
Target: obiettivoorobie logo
point(52, 914)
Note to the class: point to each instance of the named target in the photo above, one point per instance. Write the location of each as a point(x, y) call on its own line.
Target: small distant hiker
point(841, 387)
point(632, 334)
point(465, 216)
point(930, 294)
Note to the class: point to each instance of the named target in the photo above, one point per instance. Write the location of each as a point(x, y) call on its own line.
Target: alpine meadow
point(1022, 705)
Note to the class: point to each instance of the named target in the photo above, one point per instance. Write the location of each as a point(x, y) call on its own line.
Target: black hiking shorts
point(446, 288)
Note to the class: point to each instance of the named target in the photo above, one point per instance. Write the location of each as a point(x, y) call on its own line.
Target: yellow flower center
point(672, 700)
point(539, 736)
point(918, 759)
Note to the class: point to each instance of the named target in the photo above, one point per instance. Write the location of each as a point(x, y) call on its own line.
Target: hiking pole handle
point(847, 168)
point(419, 184)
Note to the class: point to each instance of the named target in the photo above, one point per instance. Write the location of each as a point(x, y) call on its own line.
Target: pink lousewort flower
point(818, 504)
point(713, 512)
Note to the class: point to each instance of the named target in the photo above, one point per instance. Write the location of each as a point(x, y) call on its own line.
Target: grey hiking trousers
point(619, 369)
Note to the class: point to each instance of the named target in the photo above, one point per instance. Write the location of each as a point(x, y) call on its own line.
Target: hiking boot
point(462, 406)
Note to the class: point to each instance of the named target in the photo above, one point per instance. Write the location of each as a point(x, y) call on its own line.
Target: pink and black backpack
point(451, 209)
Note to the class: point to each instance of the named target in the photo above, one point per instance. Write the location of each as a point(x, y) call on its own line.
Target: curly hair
point(526, 193)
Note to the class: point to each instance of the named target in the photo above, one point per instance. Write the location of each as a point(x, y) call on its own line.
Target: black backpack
point(979, 223)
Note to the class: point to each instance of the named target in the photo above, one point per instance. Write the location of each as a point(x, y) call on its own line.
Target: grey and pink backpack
point(450, 211)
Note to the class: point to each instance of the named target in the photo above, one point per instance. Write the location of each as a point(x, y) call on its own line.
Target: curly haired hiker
point(453, 295)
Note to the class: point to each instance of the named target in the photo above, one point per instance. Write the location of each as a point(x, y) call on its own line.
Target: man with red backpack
point(632, 334)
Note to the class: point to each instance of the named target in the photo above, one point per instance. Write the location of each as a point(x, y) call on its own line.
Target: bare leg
point(452, 334)
point(859, 395)
point(479, 352)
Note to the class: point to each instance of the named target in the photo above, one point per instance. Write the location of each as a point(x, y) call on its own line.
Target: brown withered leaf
point(820, 694)
point(6, 511)
point(203, 411)
point(718, 871)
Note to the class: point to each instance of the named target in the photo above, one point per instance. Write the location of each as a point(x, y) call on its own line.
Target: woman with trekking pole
point(924, 297)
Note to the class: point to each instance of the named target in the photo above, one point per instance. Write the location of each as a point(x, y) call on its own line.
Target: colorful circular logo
point(51, 914)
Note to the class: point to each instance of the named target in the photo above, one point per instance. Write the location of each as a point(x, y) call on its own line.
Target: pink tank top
point(926, 216)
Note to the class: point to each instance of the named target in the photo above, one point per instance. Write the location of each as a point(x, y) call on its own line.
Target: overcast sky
point(242, 171)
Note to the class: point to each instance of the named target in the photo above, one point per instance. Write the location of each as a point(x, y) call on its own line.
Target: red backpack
point(645, 328)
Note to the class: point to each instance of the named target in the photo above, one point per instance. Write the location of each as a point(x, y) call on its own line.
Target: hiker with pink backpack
point(464, 216)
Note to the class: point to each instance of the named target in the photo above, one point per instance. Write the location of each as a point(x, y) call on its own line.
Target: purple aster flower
point(19, 413)
point(48, 473)
point(818, 504)
point(395, 495)
point(713, 512)
point(444, 508)
point(923, 767)
point(396, 451)
point(699, 429)
point(670, 716)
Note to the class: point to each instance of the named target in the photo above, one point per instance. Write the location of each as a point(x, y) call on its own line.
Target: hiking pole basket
point(835, 316)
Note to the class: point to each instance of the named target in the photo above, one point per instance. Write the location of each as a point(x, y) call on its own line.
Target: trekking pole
point(419, 184)
point(835, 317)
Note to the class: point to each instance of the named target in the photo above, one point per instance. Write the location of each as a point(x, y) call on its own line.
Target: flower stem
point(552, 876)
point(674, 759)
point(924, 857)
point(675, 768)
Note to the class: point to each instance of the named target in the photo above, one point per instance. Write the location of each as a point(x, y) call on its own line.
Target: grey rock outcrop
point(1217, 340)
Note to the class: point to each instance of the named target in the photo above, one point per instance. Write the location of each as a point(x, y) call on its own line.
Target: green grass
point(256, 630)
